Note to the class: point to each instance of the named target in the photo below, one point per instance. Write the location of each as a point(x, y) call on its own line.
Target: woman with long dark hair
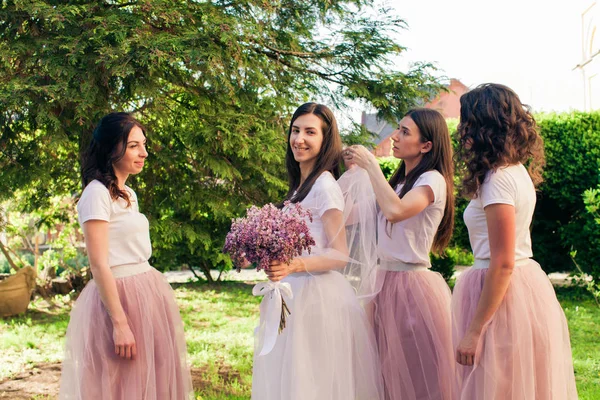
point(327, 349)
point(416, 216)
point(125, 339)
point(510, 332)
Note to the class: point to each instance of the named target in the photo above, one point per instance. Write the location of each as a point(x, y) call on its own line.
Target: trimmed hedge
point(562, 224)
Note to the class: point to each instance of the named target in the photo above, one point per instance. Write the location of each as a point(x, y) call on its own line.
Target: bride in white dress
point(327, 349)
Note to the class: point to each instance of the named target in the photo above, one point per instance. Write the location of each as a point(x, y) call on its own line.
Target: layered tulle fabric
point(360, 228)
point(414, 335)
point(525, 351)
point(92, 370)
point(326, 351)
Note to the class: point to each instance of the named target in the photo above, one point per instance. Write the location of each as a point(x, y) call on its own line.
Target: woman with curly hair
point(509, 330)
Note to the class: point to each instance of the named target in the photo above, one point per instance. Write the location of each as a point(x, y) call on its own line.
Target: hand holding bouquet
point(270, 234)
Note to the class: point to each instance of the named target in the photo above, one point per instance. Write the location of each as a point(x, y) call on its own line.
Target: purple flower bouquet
point(269, 234)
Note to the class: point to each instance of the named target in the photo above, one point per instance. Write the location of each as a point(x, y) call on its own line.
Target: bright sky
point(531, 46)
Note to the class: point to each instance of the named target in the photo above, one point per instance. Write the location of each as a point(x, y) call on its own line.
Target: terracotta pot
point(15, 292)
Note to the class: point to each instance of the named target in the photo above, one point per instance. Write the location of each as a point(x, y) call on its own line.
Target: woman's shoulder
point(326, 180)
point(508, 174)
point(325, 194)
point(326, 176)
point(95, 188)
point(433, 178)
point(503, 184)
point(95, 202)
point(432, 174)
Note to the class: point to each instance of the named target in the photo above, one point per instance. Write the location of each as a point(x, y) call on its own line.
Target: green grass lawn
point(219, 321)
point(219, 325)
point(583, 315)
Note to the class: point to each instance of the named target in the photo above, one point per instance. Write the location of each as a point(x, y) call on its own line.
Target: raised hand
point(360, 156)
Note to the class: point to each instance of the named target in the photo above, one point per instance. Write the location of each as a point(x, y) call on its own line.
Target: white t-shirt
point(410, 240)
point(508, 185)
point(324, 195)
point(128, 229)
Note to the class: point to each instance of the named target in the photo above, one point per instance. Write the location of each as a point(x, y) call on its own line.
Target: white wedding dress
point(327, 350)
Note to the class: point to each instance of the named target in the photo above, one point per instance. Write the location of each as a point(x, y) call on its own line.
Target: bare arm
point(393, 208)
point(333, 222)
point(501, 230)
point(96, 242)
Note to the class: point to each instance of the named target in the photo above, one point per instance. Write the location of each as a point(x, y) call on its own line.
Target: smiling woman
point(125, 338)
point(117, 150)
point(132, 160)
point(327, 349)
point(306, 139)
point(314, 138)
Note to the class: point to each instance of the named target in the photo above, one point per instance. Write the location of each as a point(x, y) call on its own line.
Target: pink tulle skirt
point(414, 335)
point(525, 351)
point(92, 370)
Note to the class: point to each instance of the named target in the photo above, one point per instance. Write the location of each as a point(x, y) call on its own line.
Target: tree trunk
point(205, 270)
point(8, 257)
point(61, 286)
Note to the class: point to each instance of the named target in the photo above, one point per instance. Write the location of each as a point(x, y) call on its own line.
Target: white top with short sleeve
point(324, 195)
point(508, 185)
point(128, 229)
point(410, 240)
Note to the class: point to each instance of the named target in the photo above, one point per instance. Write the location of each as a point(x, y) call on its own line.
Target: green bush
point(388, 165)
point(588, 257)
point(4, 266)
point(444, 264)
point(561, 222)
point(460, 236)
point(463, 257)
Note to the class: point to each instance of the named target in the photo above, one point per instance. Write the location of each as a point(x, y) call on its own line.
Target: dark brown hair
point(432, 128)
point(97, 162)
point(329, 156)
point(496, 130)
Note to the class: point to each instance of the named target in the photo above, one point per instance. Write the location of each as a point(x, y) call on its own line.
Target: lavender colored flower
point(269, 234)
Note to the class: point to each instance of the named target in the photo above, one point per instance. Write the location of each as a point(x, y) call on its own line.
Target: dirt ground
point(42, 382)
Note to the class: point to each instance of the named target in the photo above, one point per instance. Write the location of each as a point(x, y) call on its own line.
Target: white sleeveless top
point(508, 185)
point(410, 240)
point(128, 229)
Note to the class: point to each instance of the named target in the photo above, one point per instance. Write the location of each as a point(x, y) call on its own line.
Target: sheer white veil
point(360, 220)
point(359, 228)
